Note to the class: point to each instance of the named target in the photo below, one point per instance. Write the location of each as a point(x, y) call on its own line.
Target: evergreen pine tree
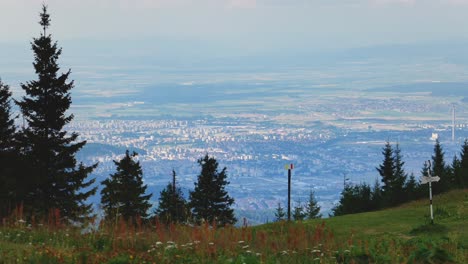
point(346, 202)
point(55, 180)
point(354, 199)
point(172, 205)
point(209, 201)
point(312, 209)
point(279, 213)
point(439, 168)
point(453, 173)
point(387, 172)
point(463, 176)
point(298, 212)
point(123, 194)
point(8, 160)
point(425, 169)
point(413, 189)
point(400, 177)
point(7, 126)
point(376, 196)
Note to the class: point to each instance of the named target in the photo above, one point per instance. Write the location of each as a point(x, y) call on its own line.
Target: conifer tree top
point(45, 19)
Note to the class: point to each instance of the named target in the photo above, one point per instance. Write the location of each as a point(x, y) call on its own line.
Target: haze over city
point(321, 84)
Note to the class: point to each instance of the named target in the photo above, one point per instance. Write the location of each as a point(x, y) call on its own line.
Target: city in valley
point(328, 114)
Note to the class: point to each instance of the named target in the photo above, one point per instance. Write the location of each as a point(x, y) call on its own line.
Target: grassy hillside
point(397, 235)
point(450, 211)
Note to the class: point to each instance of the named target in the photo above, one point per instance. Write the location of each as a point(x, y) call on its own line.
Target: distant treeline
point(396, 187)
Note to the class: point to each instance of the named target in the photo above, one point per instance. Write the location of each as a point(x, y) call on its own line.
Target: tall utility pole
point(289, 167)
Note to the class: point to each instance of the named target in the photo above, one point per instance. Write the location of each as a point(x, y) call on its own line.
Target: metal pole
point(289, 194)
point(173, 183)
point(430, 191)
point(430, 198)
point(174, 194)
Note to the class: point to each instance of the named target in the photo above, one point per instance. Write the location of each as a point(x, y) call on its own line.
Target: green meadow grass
point(397, 235)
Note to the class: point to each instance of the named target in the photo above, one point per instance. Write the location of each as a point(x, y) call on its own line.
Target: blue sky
point(248, 25)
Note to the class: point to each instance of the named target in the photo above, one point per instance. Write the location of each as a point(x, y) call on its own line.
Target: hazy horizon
point(250, 26)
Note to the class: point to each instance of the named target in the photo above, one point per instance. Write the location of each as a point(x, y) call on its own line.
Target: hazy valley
point(330, 117)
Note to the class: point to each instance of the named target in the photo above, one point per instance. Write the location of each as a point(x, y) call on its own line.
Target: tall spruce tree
point(398, 195)
point(123, 194)
point(354, 199)
point(298, 212)
point(279, 213)
point(172, 205)
point(413, 190)
point(387, 172)
point(55, 180)
point(376, 196)
point(439, 168)
point(8, 186)
point(425, 169)
point(454, 173)
point(209, 201)
point(7, 123)
point(312, 209)
point(463, 176)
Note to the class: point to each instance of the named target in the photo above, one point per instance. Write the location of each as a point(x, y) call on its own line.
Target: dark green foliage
point(462, 177)
point(430, 253)
point(393, 175)
point(172, 205)
point(439, 168)
point(377, 197)
point(429, 229)
point(279, 213)
point(399, 178)
point(54, 180)
point(209, 201)
point(7, 153)
point(355, 199)
point(123, 194)
point(298, 213)
point(312, 209)
point(425, 169)
point(453, 173)
point(387, 169)
point(413, 190)
point(7, 126)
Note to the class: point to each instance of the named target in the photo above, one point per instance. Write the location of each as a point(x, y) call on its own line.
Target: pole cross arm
point(427, 179)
